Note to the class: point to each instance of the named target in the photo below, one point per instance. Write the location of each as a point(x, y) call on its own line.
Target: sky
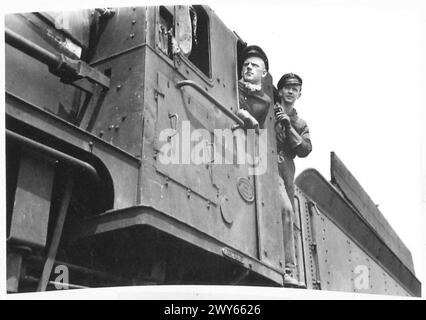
point(363, 68)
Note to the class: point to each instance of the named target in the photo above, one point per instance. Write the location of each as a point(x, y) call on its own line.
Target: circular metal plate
point(245, 189)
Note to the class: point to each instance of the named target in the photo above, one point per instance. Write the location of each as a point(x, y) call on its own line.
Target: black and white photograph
point(237, 150)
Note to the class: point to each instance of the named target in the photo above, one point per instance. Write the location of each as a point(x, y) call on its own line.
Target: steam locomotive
point(92, 98)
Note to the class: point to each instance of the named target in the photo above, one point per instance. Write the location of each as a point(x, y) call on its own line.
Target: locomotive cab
point(150, 82)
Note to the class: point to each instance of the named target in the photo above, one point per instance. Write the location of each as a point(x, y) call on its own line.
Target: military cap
point(255, 51)
point(289, 78)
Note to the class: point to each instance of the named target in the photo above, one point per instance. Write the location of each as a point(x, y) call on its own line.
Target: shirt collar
point(251, 87)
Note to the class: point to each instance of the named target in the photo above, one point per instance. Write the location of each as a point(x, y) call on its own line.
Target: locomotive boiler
point(99, 104)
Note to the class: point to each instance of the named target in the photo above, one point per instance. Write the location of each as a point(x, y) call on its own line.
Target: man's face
point(253, 70)
point(290, 93)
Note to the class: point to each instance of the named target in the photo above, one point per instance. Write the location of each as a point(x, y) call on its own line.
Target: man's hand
point(281, 116)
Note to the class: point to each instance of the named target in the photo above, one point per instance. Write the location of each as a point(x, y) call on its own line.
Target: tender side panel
point(344, 266)
point(342, 215)
point(354, 192)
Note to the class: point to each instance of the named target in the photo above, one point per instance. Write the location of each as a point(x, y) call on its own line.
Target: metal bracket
point(70, 70)
point(158, 93)
point(174, 127)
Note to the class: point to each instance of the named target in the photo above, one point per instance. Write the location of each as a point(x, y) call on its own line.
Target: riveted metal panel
point(334, 263)
point(360, 267)
point(189, 192)
point(269, 210)
point(365, 206)
point(347, 267)
point(310, 248)
point(298, 239)
point(342, 216)
point(124, 30)
point(117, 115)
point(181, 117)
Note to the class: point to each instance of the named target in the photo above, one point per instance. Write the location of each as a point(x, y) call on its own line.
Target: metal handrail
point(81, 165)
point(58, 64)
point(209, 97)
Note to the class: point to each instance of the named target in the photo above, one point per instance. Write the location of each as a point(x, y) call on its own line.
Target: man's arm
point(300, 143)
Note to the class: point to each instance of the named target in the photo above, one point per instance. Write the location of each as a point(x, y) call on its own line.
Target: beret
point(289, 78)
point(255, 51)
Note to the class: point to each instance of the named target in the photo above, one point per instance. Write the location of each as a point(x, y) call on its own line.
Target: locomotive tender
point(90, 95)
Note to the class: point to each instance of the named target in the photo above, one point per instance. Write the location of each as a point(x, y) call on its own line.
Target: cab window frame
point(208, 78)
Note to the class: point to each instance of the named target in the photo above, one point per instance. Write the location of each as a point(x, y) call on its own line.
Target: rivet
point(118, 87)
point(117, 127)
point(132, 35)
point(133, 21)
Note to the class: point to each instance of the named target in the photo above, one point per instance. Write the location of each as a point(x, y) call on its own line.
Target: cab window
point(186, 33)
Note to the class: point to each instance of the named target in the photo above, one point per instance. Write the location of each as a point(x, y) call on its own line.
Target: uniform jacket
point(291, 143)
point(255, 102)
point(296, 141)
